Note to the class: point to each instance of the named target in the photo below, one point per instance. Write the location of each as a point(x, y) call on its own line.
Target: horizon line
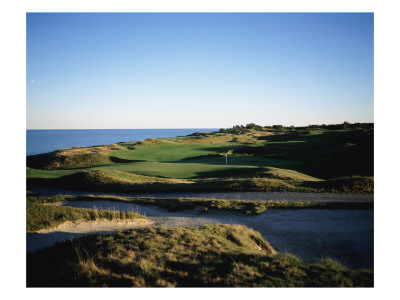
point(122, 128)
point(195, 127)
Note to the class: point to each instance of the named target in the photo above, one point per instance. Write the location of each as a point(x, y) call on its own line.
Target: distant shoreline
point(39, 141)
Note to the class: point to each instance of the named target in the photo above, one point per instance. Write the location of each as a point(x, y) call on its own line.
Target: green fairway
point(202, 167)
point(169, 152)
point(181, 170)
point(170, 170)
point(35, 173)
point(292, 160)
point(243, 160)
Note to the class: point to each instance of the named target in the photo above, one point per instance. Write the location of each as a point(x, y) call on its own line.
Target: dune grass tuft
point(76, 157)
point(176, 204)
point(203, 256)
point(39, 216)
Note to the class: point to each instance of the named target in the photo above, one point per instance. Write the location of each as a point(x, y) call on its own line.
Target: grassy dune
point(259, 160)
point(250, 136)
point(175, 204)
point(39, 216)
point(73, 157)
point(212, 255)
point(263, 159)
point(268, 181)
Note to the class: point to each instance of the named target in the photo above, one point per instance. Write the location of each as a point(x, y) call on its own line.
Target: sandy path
point(97, 226)
point(344, 235)
point(249, 196)
point(73, 230)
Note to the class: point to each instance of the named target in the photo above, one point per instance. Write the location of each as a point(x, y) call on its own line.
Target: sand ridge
point(97, 226)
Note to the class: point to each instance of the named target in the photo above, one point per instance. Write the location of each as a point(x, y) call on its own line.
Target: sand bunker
point(97, 226)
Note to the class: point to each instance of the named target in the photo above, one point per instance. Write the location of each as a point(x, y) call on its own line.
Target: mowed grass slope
point(204, 256)
point(328, 153)
point(200, 167)
point(174, 152)
point(160, 159)
point(116, 181)
point(341, 158)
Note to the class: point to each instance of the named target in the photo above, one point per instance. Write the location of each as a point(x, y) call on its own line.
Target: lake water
point(42, 141)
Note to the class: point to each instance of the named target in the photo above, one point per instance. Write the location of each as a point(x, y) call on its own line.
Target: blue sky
point(194, 70)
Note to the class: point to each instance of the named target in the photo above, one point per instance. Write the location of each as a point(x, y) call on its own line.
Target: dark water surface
point(42, 141)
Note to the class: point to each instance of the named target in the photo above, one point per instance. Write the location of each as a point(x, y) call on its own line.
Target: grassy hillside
point(73, 157)
point(265, 159)
point(327, 153)
point(174, 152)
point(175, 204)
point(212, 255)
point(40, 216)
point(275, 181)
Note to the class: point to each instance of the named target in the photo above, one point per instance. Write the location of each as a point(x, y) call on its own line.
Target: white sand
point(97, 226)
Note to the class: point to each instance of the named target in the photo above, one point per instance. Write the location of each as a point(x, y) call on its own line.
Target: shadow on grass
point(119, 160)
point(329, 154)
point(57, 267)
point(325, 155)
point(226, 173)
